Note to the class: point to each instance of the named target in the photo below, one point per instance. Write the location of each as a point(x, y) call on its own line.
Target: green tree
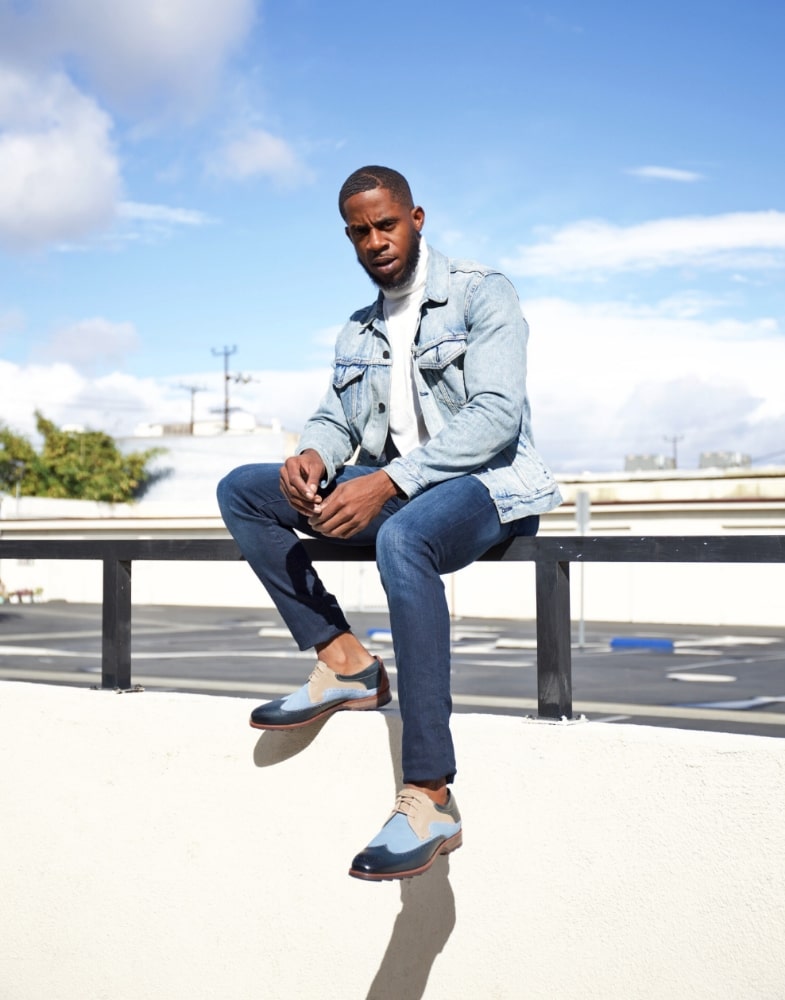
point(82, 465)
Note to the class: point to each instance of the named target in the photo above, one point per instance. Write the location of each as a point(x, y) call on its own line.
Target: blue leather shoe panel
point(381, 861)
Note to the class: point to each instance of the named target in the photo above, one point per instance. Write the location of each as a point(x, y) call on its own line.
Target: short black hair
point(369, 178)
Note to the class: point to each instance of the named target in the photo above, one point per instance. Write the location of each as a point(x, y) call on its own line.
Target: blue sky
point(170, 171)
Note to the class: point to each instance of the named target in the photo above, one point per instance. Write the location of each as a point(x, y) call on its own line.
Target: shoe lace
point(407, 802)
point(317, 670)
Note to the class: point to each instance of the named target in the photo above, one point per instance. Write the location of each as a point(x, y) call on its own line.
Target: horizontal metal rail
point(552, 558)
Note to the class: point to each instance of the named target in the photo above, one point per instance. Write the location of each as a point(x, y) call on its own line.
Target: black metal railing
point(551, 557)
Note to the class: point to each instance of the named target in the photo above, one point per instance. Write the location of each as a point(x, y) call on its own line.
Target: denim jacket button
point(385, 354)
point(382, 407)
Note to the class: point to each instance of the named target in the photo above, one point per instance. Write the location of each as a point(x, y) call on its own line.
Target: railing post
point(116, 628)
point(554, 652)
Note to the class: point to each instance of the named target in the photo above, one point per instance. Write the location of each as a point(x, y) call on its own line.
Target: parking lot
point(724, 679)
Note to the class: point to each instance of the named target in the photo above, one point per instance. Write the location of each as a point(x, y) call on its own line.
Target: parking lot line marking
point(702, 678)
point(34, 651)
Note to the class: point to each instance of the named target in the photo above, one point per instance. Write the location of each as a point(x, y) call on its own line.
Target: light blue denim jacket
point(470, 373)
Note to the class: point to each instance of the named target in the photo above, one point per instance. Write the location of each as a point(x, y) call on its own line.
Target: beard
point(406, 275)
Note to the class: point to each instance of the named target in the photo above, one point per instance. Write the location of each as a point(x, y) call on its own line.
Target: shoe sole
point(451, 844)
point(378, 700)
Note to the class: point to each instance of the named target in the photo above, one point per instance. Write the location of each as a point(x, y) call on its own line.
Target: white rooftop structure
point(192, 464)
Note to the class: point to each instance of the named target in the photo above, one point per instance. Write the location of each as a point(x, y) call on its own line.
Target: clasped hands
point(348, 509)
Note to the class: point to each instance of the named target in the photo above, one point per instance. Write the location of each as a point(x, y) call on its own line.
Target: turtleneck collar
point(417, 281)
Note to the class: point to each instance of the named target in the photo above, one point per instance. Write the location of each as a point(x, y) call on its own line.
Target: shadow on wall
point(152, 479)
point(427, 915)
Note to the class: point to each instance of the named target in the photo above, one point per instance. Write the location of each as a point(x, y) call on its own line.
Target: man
point(428, 392)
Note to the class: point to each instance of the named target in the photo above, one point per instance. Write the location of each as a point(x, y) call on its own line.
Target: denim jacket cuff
point(406, 476)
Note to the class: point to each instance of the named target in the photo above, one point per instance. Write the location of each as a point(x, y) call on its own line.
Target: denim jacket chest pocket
point(440, 365)
point(356, 382)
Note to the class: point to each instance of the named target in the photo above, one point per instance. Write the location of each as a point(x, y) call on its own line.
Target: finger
point(301, 490)
point(338, 522)
point(341, 531)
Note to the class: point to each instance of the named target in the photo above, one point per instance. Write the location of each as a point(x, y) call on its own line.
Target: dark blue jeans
point(440, 531)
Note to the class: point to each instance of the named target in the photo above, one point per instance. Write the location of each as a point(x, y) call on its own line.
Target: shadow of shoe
point(421, 930)
point(425, 921)
point(276, 746)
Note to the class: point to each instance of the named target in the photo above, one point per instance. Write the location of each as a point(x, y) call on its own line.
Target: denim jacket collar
point(437, 287)
point(437, 283)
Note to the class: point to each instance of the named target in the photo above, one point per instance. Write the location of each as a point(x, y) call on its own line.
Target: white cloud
point(666, 174)
point(140, 222)
point(736, 240)
point(148, 222)
point(60, 175)
point(258, 152)
point(605, 380)
point(137, 211)
point(90, 345)
point(608, 379)
point(175, 50)
point(30, 387)
point(117, 402)
point(288, 396)
point(134, 52)
point(146, 59)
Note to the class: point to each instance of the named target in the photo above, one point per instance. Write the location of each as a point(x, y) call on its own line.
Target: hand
point(352, 505)
point(300, 478)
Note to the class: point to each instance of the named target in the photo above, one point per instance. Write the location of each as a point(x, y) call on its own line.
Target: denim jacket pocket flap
point(347, 372)
point(438, 356)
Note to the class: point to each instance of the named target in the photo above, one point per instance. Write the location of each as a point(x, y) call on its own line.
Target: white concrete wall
point(153, 847)
point(715, 594)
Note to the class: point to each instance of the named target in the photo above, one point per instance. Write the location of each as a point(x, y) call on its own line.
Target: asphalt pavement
point(729, 679)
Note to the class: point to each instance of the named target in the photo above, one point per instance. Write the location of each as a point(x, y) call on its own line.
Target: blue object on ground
point(642, 642)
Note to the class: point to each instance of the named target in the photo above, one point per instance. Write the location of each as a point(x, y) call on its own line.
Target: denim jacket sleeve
point(470, 369)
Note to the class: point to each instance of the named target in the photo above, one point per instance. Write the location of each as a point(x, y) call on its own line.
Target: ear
point(418, 217)
point(348, 234)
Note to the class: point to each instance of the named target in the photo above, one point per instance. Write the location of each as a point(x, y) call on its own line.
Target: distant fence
point(551, 557)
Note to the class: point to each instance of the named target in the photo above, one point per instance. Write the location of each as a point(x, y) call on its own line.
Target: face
point(385, 236)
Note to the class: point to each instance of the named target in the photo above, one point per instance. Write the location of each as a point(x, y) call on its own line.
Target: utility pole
point(674, 440)
point(227, 352)
point(229, 377)
point(193, 389)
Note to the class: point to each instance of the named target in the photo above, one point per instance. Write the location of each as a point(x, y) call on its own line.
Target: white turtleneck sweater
point(402, 318)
